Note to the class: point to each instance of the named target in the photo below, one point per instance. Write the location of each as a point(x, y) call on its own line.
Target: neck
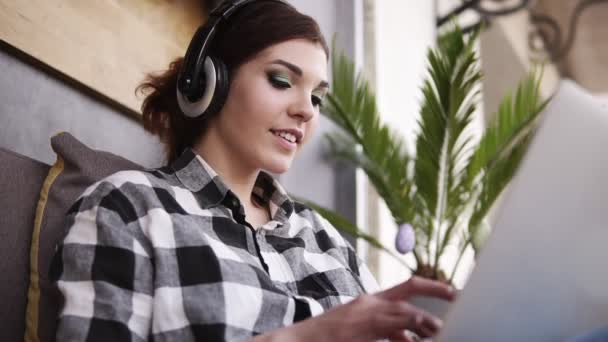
point(236, 174)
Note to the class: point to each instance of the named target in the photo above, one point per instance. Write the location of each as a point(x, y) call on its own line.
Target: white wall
point(405, 29)
point(311, 176)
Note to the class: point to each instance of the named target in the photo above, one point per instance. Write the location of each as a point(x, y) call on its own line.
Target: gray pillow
point(20, 182)
point(76, 168)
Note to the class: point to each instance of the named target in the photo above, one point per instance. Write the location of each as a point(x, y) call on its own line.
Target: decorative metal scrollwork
point(546, 36)
point(486, 14)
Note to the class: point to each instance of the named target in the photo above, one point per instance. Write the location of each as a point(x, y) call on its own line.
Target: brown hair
point(253, 28)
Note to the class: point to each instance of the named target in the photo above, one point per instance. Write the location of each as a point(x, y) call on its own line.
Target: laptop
point(543, 273)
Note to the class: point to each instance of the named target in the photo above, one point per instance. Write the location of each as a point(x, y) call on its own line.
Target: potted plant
point(440, 195)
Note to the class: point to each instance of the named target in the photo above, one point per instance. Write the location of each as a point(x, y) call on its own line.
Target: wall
point(39, 98)
point(506, 58)
point(404, 31)
point(73, 66)
point(35, 104)
point(107, 46)
point(585, 61)
point(312, 176)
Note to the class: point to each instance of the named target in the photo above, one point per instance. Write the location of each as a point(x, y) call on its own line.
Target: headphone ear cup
point(222, 86)
point(208, 81)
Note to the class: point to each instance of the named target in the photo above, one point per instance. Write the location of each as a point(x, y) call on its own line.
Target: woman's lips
point(284, 143)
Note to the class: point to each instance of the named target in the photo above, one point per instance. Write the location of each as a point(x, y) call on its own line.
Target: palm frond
point(447, 188)
point(385, 181)
point(513, 119)
point(503, 146)
point(446, 112)
point(496, 179)
point(352, 106)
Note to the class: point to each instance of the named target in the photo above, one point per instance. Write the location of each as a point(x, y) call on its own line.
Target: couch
point(34, 106)
point(20, 181)
point(34, 197)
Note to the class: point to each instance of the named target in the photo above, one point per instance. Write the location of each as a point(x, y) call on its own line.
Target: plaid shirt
point(167, 255)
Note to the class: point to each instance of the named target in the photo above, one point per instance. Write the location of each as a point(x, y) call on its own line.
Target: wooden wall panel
point(107, 46)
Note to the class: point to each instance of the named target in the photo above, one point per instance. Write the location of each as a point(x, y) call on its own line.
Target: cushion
point(76, 168)
point(20, 182)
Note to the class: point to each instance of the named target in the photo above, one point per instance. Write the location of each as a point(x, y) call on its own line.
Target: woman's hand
point(371, 317)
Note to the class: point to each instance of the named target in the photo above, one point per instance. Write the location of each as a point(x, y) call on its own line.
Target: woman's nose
point(302, 109)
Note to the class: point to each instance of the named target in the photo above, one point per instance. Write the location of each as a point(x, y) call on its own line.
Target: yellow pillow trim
point(33, 293)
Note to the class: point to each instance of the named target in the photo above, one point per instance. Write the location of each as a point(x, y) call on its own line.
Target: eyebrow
point(296, 70)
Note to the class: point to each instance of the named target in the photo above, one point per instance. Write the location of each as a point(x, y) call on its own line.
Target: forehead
point(308, 56)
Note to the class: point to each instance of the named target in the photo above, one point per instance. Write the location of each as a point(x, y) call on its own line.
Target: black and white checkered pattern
point(167, 255)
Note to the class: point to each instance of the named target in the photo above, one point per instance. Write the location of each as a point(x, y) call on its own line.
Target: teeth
point(287, 136)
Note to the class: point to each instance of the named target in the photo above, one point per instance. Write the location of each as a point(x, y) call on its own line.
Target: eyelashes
point(279, 81)
point(317, 101)
point(282, 82)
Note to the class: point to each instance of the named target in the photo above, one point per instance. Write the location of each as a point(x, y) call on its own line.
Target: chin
point(277, 166)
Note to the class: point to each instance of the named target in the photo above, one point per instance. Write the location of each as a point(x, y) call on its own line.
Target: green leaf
point(504, 144)
point(369, 143)
point(447, 187)
point(447, 109)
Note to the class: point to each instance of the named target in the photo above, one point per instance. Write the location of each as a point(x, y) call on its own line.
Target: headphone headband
point(191, 81)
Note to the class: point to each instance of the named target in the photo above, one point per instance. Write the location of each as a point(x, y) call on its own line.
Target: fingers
point(379, 318)
point(391, 326)
point(403, 336)
point(430, 288)
point(418, 286)
point(413, 332)
point(428, 328)
point(420, 321)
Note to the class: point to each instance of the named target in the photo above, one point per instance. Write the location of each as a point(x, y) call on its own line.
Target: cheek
point(260, 101)
point(247, 108)
point(311, 128)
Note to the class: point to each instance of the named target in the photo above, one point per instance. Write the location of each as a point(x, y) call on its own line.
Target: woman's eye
point(279, 82)
point(317, 101)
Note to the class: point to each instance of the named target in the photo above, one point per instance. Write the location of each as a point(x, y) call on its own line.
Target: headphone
point(202, 82)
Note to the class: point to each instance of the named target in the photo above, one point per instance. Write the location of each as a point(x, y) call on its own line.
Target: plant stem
point(403, 263)
point(428, 242)
point(460, 255)
point(441, 198)
point(446, 237)
point(348, 124)
point(416, 257)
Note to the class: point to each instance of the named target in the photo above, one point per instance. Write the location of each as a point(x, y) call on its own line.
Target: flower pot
point(435, 306)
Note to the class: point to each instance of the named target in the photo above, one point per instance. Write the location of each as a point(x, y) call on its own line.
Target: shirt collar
point(210, 190)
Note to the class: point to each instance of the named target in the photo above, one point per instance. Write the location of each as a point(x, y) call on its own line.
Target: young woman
point(211, 247)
